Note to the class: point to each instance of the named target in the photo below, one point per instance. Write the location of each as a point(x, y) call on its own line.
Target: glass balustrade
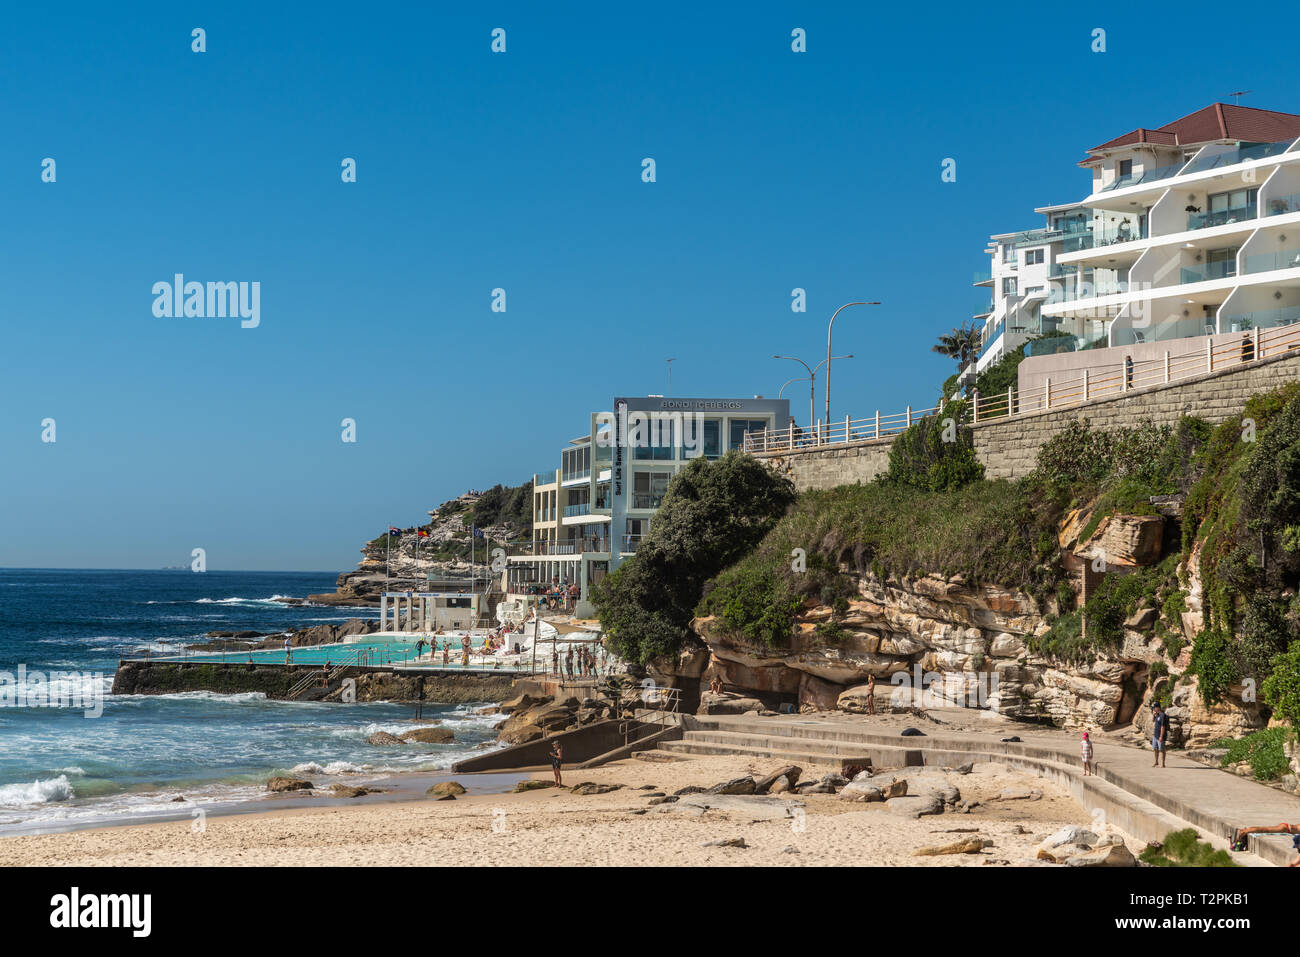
point(1222, 217)
point(1267, 262)
point(1284, 204)
point(1242, 154)
point(1208, 271)
point(1260, 319)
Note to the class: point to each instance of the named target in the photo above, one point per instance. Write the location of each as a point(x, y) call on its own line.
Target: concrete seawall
point(275, 680)
point(1008, 447)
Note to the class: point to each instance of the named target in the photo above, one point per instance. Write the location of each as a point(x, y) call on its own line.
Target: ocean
point(60, 768)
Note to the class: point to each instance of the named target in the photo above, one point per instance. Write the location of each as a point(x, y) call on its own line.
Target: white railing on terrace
point(1126, 376)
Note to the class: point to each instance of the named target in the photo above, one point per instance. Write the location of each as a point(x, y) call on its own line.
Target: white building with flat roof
point(1190, 230)
point(591, 512)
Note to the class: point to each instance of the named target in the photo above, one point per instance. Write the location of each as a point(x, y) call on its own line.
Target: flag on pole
point(393, 531)
point(421, 533)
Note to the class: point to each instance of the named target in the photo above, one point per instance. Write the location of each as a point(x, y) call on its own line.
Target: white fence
point(1126, 376)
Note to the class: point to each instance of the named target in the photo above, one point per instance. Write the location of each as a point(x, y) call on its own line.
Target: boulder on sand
point(726, 703)
point(745, 785)
point(790, 772)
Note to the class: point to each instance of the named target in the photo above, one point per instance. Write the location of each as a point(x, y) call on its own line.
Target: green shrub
point(1185, 849)
point(1214, 664)
point(1281, 689)
point(935, 454)
point(1262, 749)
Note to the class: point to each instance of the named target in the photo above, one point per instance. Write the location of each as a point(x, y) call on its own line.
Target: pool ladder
point(329, 675)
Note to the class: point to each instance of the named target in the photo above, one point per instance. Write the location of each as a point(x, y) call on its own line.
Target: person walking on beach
point(557, 756)
point(1159, 734)
point(1085, 748)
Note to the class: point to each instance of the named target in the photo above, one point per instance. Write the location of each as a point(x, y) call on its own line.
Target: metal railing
point(326, 672)
point(1126, 375)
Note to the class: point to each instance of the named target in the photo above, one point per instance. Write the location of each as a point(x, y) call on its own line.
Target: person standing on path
point(1085, 748)
point(288, 650)
point(871, 694)
point(1159, 734)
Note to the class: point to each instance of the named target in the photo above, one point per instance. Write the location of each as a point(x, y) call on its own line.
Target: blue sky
point(520, 170)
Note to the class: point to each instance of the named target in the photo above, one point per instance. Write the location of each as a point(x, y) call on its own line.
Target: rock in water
point(446, 789)
point(429, 736)
point(382, 739)
point(288, 784)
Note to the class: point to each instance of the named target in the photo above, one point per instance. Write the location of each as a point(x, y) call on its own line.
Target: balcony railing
point(630, 542)
point(578, 474)
point(1146, 176)
point(1242, 154)
point(1216, 270)
point(1103, 237)
point(984, 309)
point(1267, 262)
point(1284, 204)
point(1261, 319)
point(581, 508)
point(993, 336)
point(1222, 217)
point(647, 499)
point(1062, 271)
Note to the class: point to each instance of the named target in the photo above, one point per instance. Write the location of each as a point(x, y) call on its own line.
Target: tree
point(713, 513)
point(962, 344)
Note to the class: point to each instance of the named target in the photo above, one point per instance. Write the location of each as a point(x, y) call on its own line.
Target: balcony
point(630, 542)
point(1209, 271)
point(1267, 262)
point(1284, 204)
point(1123, 233)
point(1242, 154)
point(1062, 271)
point(1055, 344)
point(581, 508)
point(992, 336)
point(983, 309)
point(576, 474)
point(1222, 217)
point(647, 499)
point(1261, 319)
point(1146, 176)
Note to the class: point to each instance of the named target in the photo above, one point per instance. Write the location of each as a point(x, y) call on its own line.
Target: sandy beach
point(557, 827)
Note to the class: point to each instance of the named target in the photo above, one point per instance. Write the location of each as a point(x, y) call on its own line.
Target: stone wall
point(832, 465)
point(1008, 447)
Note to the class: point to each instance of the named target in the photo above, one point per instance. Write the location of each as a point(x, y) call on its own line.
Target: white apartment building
point(592, 512)
point(1190, 230)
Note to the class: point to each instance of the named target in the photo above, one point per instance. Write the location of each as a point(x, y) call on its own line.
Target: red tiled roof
point(1218, 121)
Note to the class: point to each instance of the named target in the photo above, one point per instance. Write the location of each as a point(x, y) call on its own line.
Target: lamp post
point(812, 381)
point(829, 328)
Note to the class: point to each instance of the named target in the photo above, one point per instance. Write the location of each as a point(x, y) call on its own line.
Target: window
point(712, 443)
point(1009, 286)
point(740, 426)
point(1033, 257)
point(657, 442)
point(648, 489)
point(1125, 168)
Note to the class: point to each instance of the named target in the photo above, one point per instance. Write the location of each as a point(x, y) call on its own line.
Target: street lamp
point(812, 381)
point(829, 328)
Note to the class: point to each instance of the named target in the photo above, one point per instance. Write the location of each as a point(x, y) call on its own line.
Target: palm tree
point(962, 344)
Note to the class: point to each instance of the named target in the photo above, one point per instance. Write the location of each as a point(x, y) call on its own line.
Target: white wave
point(73, 769)
point(37, 792)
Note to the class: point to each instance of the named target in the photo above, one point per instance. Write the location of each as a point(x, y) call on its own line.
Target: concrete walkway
point(1145, 801)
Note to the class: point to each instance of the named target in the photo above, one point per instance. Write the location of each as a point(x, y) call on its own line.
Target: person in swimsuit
point(557, 756)
point(1239, 842)
point(871, 694)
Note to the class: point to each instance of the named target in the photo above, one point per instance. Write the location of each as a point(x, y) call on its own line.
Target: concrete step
point(789, 750)
point(887, 755)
